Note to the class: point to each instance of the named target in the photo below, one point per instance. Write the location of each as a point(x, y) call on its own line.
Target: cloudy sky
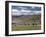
point(19, 10)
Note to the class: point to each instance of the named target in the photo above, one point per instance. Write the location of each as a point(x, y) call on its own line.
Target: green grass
point(23, 27)
point(32, 19)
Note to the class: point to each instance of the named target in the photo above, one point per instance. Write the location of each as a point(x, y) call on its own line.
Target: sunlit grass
point(25, 27)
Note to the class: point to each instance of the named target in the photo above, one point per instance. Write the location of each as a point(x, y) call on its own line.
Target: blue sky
point(27, 9)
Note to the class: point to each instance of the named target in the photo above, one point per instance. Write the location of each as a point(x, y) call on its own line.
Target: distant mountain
point(24, 16)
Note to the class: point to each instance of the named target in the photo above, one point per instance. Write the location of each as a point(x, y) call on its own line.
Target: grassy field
point(28, 22)
point(23, 27)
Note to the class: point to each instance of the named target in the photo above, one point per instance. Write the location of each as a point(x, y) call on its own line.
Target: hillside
point(26, 19)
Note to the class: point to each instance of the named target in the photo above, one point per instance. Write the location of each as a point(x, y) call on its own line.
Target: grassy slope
point(23, 27)
point(25, 19)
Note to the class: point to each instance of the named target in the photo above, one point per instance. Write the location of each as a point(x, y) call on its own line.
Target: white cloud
point(24, 12)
